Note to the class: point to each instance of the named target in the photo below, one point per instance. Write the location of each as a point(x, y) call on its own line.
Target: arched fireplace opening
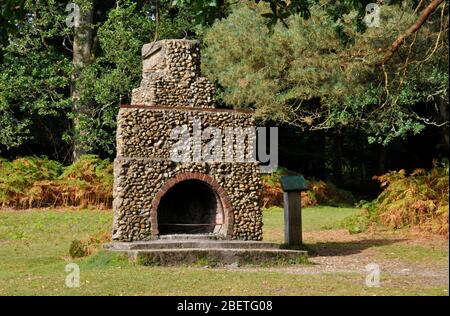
point(190, 207)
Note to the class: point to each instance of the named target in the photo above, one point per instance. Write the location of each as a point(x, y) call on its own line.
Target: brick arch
point(222, 196)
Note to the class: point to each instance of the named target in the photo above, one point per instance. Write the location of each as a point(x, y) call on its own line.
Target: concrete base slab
point(193, 244)
point(207, 252)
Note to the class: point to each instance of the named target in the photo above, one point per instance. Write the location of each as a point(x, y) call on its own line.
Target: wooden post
point(292, 187)
point(292, 219)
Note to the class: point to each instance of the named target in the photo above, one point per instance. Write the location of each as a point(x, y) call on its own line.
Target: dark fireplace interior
point(189, 207)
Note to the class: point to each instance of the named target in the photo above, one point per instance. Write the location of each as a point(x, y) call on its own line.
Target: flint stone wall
point(146, 132)
point(142, 168)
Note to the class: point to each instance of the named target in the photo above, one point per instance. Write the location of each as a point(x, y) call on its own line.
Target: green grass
point(313, 219)
point(414, 253)
point(34, 252)
point(31, 238)
point(111, 274)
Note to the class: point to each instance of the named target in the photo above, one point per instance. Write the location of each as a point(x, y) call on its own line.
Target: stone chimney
point(171, 76)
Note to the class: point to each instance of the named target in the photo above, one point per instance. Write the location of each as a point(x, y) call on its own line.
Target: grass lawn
point(34, 252)
point(313, 219)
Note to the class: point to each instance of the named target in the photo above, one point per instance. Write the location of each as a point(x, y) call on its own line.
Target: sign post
point(292, 186)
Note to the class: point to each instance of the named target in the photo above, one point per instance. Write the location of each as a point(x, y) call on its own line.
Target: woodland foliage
point(36, 70)
point(321, 73)
point(40, 182)
point(418, 200)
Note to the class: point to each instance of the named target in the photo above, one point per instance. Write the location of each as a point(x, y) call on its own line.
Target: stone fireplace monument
point(156, 197)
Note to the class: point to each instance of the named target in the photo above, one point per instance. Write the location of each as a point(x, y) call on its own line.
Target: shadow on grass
point(333, 248)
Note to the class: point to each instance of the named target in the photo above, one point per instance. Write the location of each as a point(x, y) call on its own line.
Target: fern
point(420, 199)
point(39, 182)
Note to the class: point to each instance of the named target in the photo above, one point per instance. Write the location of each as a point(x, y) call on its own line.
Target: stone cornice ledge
point(124, 158)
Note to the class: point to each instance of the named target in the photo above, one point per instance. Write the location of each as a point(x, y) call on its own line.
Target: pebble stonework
point(156, 196)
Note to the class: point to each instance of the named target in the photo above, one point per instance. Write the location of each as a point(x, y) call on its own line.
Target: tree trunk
point(443, 106)
point(82, 47)
point(337, 159)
